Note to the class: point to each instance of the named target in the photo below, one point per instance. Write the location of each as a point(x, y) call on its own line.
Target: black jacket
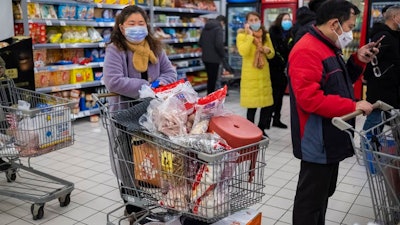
point(212, 42)
point(280, 39)
point(387, 87)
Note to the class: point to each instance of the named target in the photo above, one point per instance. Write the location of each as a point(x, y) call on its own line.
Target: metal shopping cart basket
point(378, 150)
point(32, 124)
point(154, 172)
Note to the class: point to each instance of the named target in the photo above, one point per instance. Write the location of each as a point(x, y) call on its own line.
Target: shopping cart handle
point(340, 122)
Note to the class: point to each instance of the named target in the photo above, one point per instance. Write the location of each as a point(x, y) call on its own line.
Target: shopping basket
point(32, 124)
point(153, 171)
point(378, 150)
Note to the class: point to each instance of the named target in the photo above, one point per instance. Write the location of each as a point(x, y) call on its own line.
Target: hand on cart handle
point(340, 123)
point(365, 107)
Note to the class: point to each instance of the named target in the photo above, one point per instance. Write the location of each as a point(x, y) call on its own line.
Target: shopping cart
point(378, 150)
point(32, 124)
point(153, 172)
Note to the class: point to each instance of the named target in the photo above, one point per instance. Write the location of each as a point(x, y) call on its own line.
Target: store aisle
point(86, 164)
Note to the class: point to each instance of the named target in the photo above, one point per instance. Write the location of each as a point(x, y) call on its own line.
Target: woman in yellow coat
point(255, 47)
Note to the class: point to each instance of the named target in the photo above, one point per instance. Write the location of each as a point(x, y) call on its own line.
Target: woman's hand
point(247, 29)
point(266, 50)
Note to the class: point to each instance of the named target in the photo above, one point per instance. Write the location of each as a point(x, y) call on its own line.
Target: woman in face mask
point(255, 47)
point(281, 36)
point(134, 57)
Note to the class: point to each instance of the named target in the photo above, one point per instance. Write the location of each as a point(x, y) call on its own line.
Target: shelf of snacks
point(178, 24)
point(184, 55)
point(57, 22)
point(67, 87)
point(86, 113)
point(64, 46)
point(96, 4)
point(51, 68)
point(190, 69)
point(182, 10)
point(185, 40)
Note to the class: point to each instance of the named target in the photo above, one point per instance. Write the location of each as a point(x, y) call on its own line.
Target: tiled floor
point(87, 165)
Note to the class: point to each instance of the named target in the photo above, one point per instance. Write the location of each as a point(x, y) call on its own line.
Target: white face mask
point(344, 39)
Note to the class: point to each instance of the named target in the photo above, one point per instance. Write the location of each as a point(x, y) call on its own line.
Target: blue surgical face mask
point(136, 34)
point(255, 26)
point(286, 24)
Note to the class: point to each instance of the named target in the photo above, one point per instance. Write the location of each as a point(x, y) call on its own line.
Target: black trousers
point(212, 76)
point(265, 115)
point(317, 182)
point(279, 83)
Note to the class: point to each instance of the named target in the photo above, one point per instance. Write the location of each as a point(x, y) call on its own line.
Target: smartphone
point(379, 41)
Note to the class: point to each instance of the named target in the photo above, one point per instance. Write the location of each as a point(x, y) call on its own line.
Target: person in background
point(132, 59)
point(255, 46)
point(383, 73)
point(305, 17)
point(213, 51)
point(281, 37)
point(384, 9)
point(320, 83)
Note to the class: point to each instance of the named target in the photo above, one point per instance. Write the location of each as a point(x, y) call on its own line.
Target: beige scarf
point(142, 54)
point(259, 59)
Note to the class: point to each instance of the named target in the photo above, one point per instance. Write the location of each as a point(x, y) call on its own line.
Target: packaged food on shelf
point(17, 11)
point(77, 76)
point(48, 12)
point(42, 79)
point(33, 10)
point(60, 77)
point(39, 57)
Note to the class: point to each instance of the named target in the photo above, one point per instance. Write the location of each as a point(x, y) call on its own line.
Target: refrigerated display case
point(236, 16)
point(270, 9)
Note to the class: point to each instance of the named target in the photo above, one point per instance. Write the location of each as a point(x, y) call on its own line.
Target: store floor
point(87, 165)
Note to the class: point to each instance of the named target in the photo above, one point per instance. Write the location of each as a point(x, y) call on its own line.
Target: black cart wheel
point(11, 175)
point(65, 200)
point(37, 211)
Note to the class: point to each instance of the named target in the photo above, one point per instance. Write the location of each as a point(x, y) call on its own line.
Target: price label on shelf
point(62, 45)
point(102, 44)
point(48, 22)
point(101, 24)
point(62, 23)
point(101, 64)
point(55, 89)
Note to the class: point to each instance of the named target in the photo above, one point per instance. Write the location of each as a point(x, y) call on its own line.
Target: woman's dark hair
point(119, 39)
point(340, 9)
point(264, 31)
point(278, 20)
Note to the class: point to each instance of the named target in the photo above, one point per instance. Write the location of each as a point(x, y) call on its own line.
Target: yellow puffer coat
point(255, 84)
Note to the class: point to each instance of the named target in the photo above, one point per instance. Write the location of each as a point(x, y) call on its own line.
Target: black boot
point(279, 124)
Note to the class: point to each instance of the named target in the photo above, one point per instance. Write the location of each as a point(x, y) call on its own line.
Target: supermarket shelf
point(178, 24)
point(68, 67)
point(67, 87)
point(186, 40)
point(74, 45)
point(190, 69)
point(86, 113)
point(182, 10)
point(200, 87)
point(71, 2)
point(57, 22)
point(184, 55)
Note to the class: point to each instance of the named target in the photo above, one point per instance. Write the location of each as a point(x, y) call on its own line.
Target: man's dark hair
point(340, 9)
point(221, 18)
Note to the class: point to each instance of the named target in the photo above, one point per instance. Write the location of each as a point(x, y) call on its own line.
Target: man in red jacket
point(320, 83)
